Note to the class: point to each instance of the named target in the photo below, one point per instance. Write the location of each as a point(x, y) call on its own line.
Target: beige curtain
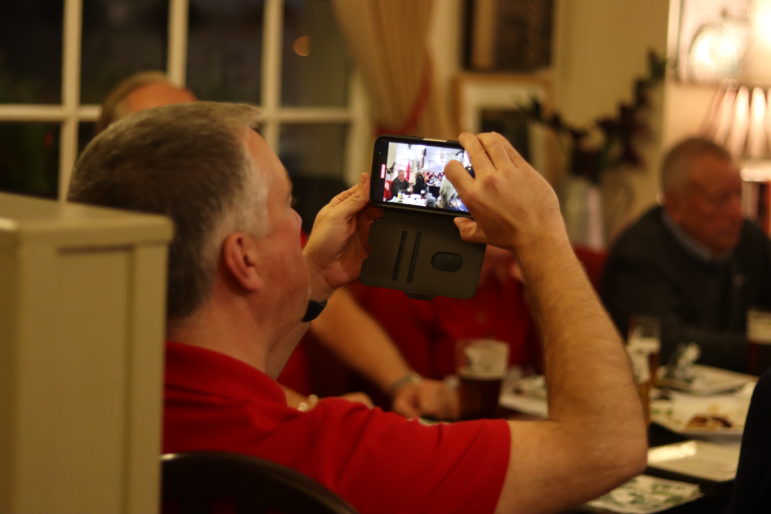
point(388, 40)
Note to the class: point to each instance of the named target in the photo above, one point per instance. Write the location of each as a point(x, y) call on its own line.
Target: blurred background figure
point(140, 91)
point(426, 331)
point(695, 263)
point(399, 184)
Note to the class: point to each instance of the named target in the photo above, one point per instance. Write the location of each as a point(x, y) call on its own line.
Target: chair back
point(204, 482)
point(593, 261)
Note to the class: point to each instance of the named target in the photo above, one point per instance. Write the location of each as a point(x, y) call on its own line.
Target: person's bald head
point(138, 92)
point(157, 95)
point(702, 189)
point(677, 165)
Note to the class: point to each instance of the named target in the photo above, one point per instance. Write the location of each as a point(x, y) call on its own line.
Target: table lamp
point(739, 118)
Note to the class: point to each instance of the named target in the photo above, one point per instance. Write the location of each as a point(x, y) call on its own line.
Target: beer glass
point(644, 335)
point(481, 365)
point(759, 340)
point(643, 344)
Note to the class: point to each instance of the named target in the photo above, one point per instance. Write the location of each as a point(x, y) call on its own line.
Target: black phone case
point(423, 255)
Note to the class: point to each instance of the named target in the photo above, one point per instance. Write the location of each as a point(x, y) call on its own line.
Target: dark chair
point(203, 482)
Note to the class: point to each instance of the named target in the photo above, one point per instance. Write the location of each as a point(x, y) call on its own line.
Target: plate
point(707, 380)
point(700, 459)
point(678, 411)
point(526, 395)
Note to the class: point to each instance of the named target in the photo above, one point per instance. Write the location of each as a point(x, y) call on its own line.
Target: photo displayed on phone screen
point(410, 173)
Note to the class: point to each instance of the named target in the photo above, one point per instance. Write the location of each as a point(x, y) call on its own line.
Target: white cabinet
point(82, 319)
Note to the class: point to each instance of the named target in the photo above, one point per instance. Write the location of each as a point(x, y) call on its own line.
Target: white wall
point(600, 47)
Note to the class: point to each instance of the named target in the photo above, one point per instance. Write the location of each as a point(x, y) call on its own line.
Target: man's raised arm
point(594, 437)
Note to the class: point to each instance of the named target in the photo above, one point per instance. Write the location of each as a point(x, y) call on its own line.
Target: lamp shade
point(740, 119)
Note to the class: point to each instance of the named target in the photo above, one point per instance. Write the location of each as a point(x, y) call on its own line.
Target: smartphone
point(408, 174)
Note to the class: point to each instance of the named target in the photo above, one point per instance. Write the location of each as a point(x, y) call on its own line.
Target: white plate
point(701, 459)
point(708, 380)
point(526, 395)
point(525, 404)
point(675, 413)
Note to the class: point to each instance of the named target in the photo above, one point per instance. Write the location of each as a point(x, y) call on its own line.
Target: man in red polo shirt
point(241, 291)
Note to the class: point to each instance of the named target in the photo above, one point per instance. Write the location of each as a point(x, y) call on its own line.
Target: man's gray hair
point(189, 162)
point(677, 161)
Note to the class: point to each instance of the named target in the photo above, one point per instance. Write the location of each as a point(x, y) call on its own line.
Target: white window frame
point(70, 112)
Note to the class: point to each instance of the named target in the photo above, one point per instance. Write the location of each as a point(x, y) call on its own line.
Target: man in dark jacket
point(695, 262)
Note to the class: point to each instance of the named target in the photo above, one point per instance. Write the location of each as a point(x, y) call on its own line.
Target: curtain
point(388, 40)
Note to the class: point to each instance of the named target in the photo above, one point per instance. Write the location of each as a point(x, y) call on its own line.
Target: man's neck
point(691, 244)
point(222, 332)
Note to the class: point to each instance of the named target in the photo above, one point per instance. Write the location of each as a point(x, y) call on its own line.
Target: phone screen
point(408, 173)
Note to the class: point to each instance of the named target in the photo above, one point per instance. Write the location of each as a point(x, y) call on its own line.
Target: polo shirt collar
point(690, 244)
point(198, 369)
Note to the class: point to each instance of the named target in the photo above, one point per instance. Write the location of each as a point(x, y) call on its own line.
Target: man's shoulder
point(646, 233)
point(753, 234)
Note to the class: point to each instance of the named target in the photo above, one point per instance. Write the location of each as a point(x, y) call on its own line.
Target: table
point(716, 495)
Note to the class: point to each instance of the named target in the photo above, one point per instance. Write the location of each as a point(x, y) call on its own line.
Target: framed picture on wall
point(508, 36)
point(490, 102)
point(713, 37)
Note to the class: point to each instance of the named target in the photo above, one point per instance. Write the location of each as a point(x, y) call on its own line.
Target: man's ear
point(239, 255)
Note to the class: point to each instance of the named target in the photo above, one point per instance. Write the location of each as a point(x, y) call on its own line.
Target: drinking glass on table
point(759, 338)
point(481, 365)
point(644, 347)
point(644, 333)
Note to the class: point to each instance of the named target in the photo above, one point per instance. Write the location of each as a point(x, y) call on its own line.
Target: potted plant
point(607, 143)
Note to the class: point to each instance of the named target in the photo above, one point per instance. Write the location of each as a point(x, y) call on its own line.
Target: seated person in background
point(399, 185)
point(428, 329)
point(140, 91)
point(448, 196)
point(344, 326)
point(420, 183)
point(694, 263)
point(752, 486)
point(239, 293)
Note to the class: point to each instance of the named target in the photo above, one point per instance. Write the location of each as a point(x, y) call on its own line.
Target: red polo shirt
point(377, 461)
point(426, 331)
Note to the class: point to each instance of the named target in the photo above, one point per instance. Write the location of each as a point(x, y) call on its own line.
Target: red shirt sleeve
point(381, 462)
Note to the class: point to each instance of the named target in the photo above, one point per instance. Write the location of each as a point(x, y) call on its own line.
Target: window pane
point(86, 131)
point(313, 156)
point(31, 51)
point(225, 49)
point(120, 37)
point(313, 150)
point(29, 158)
point(315, 64)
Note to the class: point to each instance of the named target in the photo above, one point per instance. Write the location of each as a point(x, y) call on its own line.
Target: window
point(59, 59)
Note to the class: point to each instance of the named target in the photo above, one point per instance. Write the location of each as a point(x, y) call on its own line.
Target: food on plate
point(710, 421)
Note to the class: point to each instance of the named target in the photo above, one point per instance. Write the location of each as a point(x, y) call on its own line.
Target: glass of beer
point(759, 339)
point(644, 334)
point(643, 344)
point(481, 365)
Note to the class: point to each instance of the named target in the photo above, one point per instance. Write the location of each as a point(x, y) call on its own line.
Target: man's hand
point(430, 398)
point(337, 247)
point(594, 438)
point(512, 204)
